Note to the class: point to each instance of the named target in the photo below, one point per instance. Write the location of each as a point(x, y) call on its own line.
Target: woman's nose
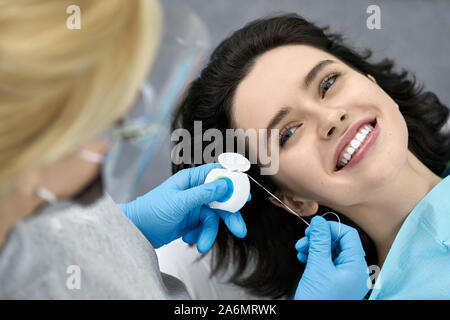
point(333, 122)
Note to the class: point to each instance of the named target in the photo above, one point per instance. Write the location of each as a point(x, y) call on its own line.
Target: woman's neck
point(382, 216)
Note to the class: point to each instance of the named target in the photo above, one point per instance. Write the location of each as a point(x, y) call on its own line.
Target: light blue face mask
point(418, 263)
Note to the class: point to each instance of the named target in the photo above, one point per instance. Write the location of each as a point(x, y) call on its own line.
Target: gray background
point(414, 33)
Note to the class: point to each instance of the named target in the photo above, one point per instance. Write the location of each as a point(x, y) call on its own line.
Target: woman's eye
point(284, 137)
point(327, 84)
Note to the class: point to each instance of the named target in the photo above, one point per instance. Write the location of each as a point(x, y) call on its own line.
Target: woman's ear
point(302, 207)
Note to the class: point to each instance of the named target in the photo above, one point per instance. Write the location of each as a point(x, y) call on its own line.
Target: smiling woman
point(355, 137)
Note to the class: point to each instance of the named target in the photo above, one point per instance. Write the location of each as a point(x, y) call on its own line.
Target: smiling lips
point(352, 141)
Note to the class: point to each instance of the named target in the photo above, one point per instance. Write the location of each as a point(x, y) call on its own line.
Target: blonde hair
point(60, 87)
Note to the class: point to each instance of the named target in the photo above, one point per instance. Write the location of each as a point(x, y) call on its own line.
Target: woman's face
point(316, 117)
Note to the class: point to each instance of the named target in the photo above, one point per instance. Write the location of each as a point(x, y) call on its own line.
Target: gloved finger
point(336, 230)
point(234, 222)
point(302, 257)
point(192, 177)
point(191, 236)
point(302, 247)
point(319, 240)
point(200, 195)
point(249, 197)
point(302, 244)
point(209, 229)
point(349, 243)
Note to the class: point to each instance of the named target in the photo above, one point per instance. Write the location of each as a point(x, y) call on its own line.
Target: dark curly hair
point(265, 262)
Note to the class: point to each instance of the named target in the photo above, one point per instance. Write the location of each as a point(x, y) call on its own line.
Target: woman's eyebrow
point(312, 74)
point(278, 117)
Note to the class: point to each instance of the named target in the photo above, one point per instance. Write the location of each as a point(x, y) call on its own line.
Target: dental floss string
point(292, 211)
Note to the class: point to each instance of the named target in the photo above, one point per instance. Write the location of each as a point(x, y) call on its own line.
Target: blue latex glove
point(338, 275)
point(177, 208)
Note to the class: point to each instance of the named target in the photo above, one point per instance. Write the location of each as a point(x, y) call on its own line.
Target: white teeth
point(355, 144)
point(360, 136)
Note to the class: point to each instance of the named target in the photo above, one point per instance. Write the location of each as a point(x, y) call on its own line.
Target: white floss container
point(238, 183)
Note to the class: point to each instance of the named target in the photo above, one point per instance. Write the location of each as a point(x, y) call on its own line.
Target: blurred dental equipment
point(184, 44)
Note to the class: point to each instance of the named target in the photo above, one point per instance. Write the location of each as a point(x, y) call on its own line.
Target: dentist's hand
point(178, 208)
point(334, 270)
